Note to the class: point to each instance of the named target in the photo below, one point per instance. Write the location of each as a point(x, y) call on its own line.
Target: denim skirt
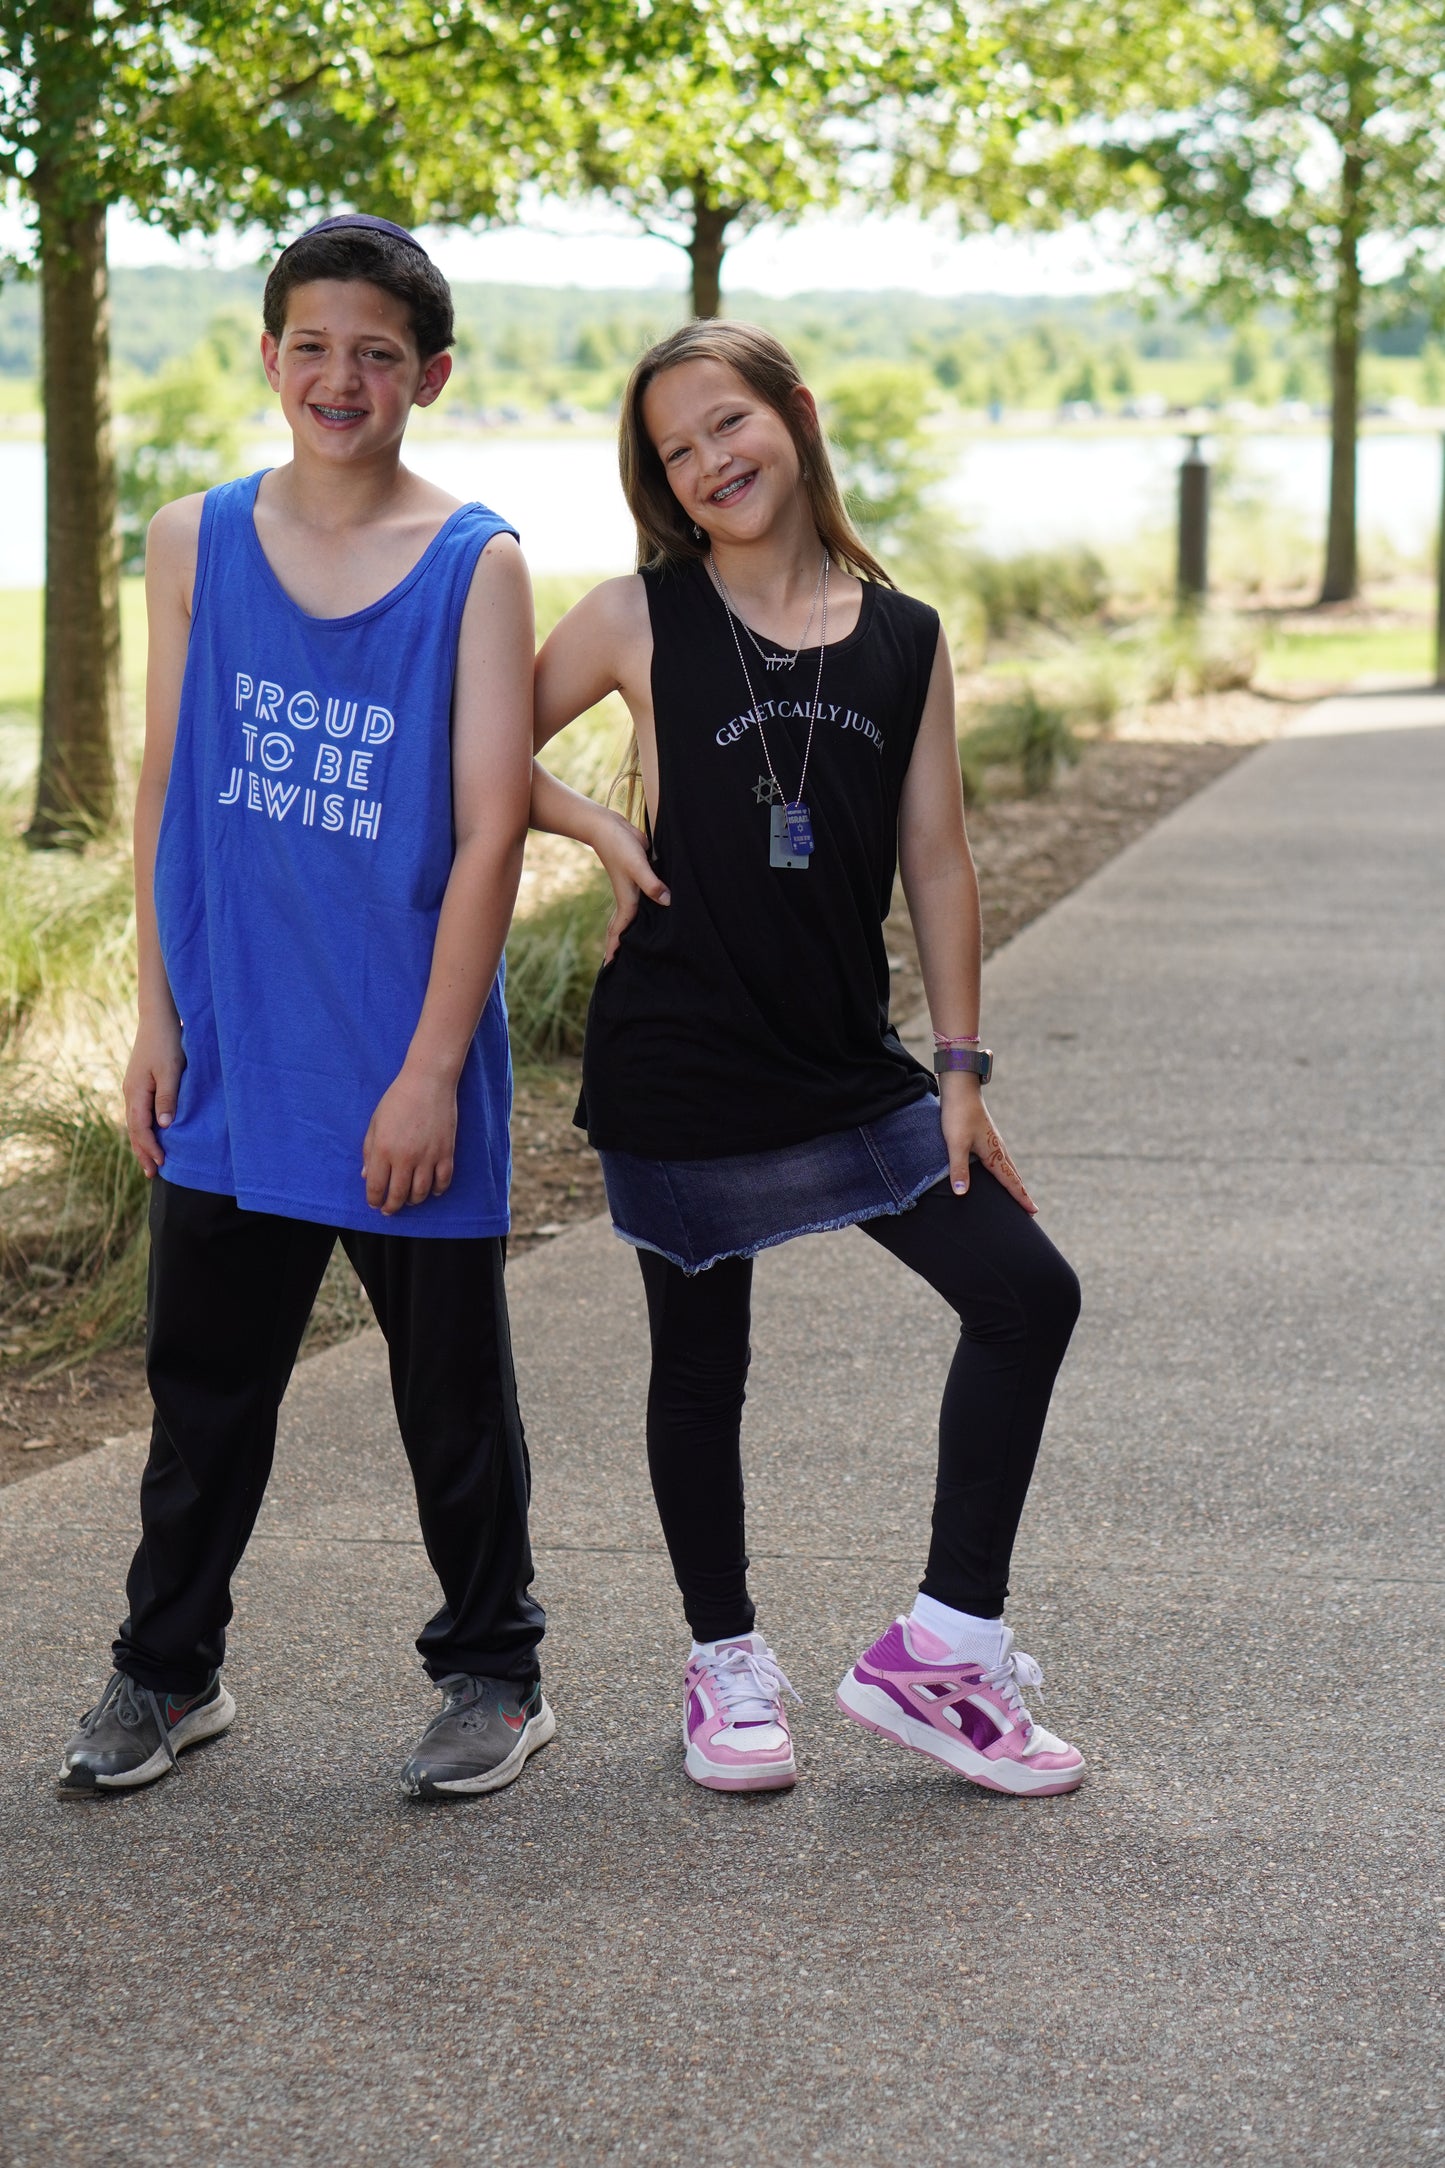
point(696, 1211)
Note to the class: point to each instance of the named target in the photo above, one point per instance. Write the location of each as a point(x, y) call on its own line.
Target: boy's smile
point(347, 367)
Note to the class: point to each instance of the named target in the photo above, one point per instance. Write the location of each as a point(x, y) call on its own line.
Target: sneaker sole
point(771, 1777)
point(879, 1712)
point(534, 1734)
point(196, 1726)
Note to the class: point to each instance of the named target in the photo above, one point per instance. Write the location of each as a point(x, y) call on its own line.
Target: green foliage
point(66, 931)
point(1084, 385)
point(875, 413)
point(72, 1223)
point(1196, 651)
point(1059, 587)
point(700, 122)
point(1018, 728)
point(552, 958)
point(1023, 351)
point(1328, 130)
point(1319, 147)
point(183, 437)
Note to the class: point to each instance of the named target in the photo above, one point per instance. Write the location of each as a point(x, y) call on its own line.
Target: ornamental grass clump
point(72, 1224)
point(552, 958)
point(67, 932)
point(1019, 729)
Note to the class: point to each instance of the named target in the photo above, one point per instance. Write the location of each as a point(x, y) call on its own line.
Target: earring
point(696, 532)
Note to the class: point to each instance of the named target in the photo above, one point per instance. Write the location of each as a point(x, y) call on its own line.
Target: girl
point(741, 1081)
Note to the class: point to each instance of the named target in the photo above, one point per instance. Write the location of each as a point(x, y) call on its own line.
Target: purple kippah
point(359, 222)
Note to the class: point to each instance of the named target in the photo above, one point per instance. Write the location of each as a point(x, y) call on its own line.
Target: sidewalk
point(1222, 1069)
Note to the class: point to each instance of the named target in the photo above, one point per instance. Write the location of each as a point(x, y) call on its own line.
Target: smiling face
point(347, 368)
point(729, 457)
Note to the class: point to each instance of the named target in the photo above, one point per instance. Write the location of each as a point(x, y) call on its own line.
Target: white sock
point(976, 1640)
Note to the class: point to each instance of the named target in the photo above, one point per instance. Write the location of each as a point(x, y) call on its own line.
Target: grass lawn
point(20, 644)
point(1338, 658)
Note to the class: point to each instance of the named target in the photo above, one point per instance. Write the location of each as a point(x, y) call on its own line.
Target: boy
point(329, 829)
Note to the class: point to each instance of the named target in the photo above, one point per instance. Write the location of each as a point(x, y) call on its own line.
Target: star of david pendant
point(766, 791)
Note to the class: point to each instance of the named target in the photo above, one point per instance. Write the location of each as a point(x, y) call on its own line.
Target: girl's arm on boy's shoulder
point(942, 890)
point(411, 1140)
point(153, 1073)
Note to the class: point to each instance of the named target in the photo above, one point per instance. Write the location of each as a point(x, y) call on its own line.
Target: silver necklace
point(791, 839)
point(773, 662)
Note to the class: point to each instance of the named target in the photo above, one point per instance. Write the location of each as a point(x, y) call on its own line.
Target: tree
point(188, 115)
point(71, 135)
point(701, 119)
point(185, 436)
point(876, 414)
point(1297, 175)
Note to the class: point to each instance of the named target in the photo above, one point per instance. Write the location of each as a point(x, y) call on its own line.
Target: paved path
point(1223, 1069)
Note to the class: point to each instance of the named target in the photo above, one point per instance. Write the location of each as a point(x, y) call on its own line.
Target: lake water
point(1014, 492)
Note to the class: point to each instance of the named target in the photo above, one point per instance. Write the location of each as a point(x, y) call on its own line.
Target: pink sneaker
point(733, 1725)
point(907, 1687)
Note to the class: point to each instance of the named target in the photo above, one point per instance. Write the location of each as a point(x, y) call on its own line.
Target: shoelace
point(1015, 1672)
point(131, 1702)
point(749, 1684)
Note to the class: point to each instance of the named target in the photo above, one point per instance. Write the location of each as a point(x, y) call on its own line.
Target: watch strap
point(976, 1060)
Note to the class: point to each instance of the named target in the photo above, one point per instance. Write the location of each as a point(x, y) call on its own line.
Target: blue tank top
point(304, 850)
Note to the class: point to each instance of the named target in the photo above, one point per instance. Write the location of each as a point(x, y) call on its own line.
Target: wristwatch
point(978, 1060)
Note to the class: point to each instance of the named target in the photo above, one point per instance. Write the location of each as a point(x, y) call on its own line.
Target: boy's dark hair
point(380, 258)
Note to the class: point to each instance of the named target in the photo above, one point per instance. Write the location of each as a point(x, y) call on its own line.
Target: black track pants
point(1016, 1300)
point(230, 1294)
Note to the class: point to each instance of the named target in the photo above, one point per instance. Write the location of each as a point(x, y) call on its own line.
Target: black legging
point(1016, 1299)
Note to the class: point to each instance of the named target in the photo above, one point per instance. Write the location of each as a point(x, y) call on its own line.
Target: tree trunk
point(81, 702)
point(1342, 571)
point(710, 222)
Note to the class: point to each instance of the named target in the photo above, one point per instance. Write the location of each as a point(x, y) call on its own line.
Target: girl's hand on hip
point(969, 1134)
point(410, 1143)
point(623, 852)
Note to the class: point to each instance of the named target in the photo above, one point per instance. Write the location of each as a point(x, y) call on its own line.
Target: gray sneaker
point(478, 1743)
point(133, 1736)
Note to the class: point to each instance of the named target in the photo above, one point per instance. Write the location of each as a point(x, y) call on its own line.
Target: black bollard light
point(1193, 584)
point(1440, 581)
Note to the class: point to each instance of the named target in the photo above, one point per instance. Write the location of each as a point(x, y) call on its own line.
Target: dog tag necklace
point(790, 841)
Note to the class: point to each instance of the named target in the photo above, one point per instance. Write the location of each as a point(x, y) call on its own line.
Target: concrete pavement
point(1222, 1069)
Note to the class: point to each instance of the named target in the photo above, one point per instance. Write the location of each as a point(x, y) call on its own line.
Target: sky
point(563, 245)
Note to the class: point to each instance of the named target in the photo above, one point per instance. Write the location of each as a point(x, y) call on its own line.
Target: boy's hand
point(152, 1080)
point(410, 1142)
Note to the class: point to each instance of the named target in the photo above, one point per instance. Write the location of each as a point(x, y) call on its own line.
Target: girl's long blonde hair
point(665, 537)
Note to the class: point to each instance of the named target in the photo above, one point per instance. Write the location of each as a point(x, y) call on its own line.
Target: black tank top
point(752, 1011)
